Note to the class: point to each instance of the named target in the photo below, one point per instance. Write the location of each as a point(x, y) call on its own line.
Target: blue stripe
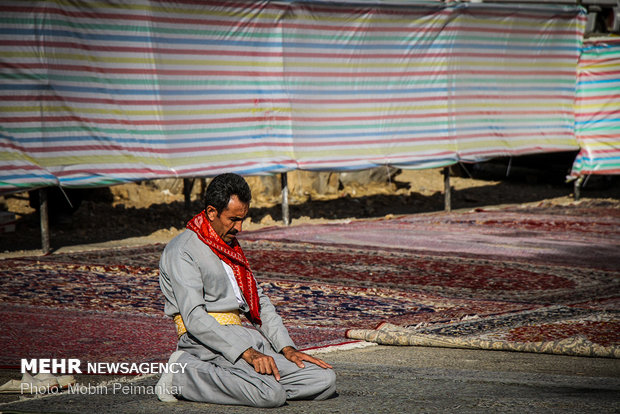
point(199, 92)
point(414, 133)
point(431, 160)
point(332, 167)
point(588, 159)
point(327, 136)
point(29, 176)
point(100, 178)
point(112, 141)
point(600, 81)
point(258, 170)
point(597, 121)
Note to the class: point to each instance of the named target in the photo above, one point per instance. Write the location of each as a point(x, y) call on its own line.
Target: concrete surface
point(382, 379)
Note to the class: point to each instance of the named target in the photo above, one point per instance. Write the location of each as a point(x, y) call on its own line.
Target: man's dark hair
point(224, 186)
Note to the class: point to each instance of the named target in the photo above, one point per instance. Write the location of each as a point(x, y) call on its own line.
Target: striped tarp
point(100, 92)
point(597, 108)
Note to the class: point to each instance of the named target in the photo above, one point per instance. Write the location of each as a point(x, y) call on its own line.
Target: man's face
point(229, 221)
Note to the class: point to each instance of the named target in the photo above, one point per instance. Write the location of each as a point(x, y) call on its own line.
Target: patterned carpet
point(498, 275)
point(577, 236)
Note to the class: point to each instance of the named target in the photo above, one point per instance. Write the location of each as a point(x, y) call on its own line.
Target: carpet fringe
point(338, 347)
point(389, 334)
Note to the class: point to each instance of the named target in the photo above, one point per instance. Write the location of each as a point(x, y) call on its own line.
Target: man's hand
point(297, 357)
point(263, 364)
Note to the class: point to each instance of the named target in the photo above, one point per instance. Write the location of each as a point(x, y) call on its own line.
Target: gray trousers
point(209, 377)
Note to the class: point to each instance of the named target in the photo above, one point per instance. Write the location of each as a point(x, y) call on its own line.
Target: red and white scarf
point(234, 257)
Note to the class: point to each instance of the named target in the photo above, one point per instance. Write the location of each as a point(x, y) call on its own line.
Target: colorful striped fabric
point(597, 108)
point(101, 92)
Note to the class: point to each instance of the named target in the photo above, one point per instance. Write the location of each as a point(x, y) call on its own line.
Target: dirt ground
point(140, 213)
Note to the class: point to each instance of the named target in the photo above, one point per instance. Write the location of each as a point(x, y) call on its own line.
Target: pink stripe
point(596, 114)
point(603, 152)
point(603, 171)
point(143, 122)
point(176, 150)
point(66, 173)
point(196, 149)
point(424, 115)
point(258, 101)
point(251, 53)
point(271, 118)
point(13, 167)
point(595, 74)
point(614, 99)
point(373, 142)
point(144, 102)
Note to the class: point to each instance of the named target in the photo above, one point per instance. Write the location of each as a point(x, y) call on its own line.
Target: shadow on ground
point(381, 205)
point(97, 220)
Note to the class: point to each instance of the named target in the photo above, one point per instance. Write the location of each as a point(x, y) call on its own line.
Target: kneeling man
point(208, 284)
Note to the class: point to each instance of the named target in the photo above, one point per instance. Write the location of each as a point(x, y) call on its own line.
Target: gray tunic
point(194, 282)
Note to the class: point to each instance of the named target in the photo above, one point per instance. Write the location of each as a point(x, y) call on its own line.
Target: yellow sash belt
point(223, 318)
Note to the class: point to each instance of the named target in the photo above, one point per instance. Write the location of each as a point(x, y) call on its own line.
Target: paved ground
point(381, 379)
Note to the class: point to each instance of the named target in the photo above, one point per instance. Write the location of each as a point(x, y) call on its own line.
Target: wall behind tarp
point(95, 93)
point(597, 108)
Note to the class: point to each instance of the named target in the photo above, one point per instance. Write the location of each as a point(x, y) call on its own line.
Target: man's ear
point(211, 212)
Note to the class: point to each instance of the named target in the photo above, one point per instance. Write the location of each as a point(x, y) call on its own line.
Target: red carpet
point(517, 275)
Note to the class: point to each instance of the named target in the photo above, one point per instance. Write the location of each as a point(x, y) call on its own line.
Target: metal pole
point(577, 191)
point(285, 214)
point(446, 189)
point(45, 224)
point(188, 185)
point(203, 189)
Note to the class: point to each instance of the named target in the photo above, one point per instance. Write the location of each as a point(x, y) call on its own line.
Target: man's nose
point(238, 225)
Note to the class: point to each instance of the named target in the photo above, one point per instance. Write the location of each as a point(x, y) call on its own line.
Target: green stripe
point(164, 160)
point(598, 162)
point(593, 92)
point(403, 110)
point(26, 186)
point(423, 166)
point(106, 182)
point(415, 148)
point(96, 131)
point(288, 83)
point(587, 130)
point(387, 65)
point(600, 52)
point(120, 131)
